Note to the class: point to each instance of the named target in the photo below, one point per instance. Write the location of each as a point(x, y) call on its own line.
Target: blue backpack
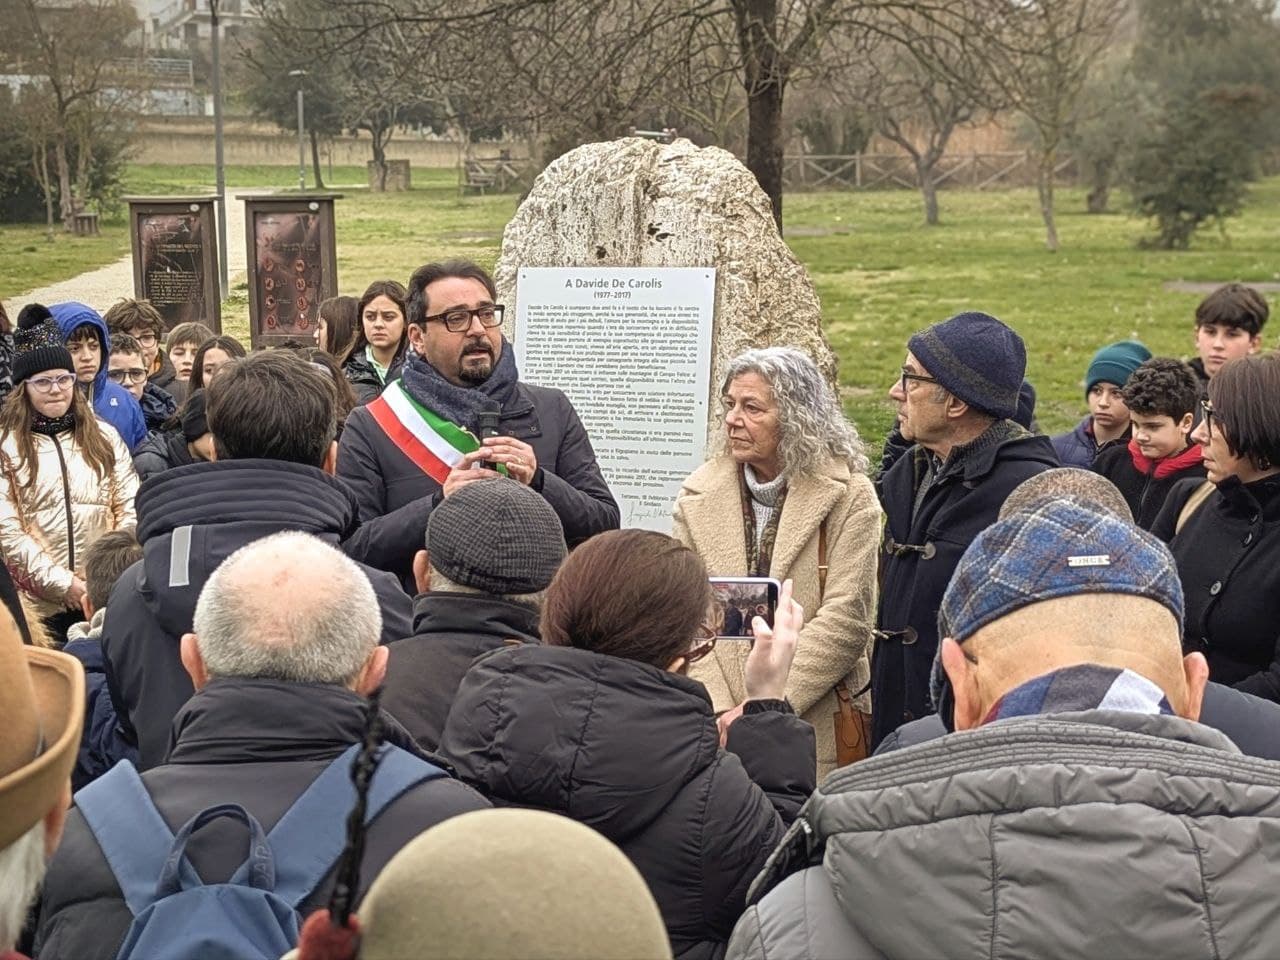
point(176, 915)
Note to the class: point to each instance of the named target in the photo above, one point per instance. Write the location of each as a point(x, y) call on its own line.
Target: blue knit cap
point(1059, 548)
point(1115, 363)
point(975, 358)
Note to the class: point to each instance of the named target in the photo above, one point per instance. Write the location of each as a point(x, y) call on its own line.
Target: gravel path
point(102, 287)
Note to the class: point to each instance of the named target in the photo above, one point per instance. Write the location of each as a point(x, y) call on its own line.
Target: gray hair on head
point(811, 425)
point(288, 607)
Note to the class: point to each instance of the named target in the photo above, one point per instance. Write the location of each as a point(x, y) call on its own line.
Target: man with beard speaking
point(459, 414)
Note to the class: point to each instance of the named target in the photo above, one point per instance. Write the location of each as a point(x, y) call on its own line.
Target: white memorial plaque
point(631, 347)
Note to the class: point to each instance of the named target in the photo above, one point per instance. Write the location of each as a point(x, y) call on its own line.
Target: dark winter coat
point(1145, 483)
point(1079, 447)
point(166, 378)
point(158, 406)
point(1078, 835)
point(365, 382)
point(259, 743)
point(190, 519)
point(101, 744)
point(962, 501)
point(1197, 365)
point(6, 365)
point(112, 402)
point(449, 631)
point(1228, 556)
point(396, 497)
point(633, 752)
point(161, 452)
point(1251, 723)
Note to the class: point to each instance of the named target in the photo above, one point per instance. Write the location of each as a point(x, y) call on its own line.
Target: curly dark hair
point(1162, 386)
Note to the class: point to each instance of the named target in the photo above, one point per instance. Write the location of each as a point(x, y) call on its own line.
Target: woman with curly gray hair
point(787, 496)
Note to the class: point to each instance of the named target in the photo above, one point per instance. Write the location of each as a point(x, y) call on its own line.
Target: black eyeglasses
point(919, 378)
point(459, 320)
point(707, 638)
point(1207, 409)
point(132, 375)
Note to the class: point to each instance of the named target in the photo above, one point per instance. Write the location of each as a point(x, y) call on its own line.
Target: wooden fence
point(889, 171)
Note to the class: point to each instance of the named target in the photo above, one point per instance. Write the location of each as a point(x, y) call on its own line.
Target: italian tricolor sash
point(436, 445)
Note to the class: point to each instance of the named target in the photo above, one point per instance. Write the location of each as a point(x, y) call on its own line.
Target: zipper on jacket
point(66, 499)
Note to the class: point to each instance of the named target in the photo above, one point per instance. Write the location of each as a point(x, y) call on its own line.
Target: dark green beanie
point(1115, 363)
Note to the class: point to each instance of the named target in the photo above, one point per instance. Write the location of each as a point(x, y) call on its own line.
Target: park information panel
point(631, 347)
point(175, 258)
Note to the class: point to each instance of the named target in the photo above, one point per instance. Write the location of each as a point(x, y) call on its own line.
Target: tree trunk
point(379, 162)
point(764, 140)
point(1045, 186)
point(1099, 186)
point(315, 158)
point(929, 190)
point(1098, 197)
point(40, 160)
point(66, 202)
point(765, 77)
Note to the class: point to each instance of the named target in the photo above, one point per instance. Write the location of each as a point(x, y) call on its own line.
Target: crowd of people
point(331, 650)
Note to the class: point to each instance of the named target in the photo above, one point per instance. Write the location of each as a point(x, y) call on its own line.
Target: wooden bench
point(479, 177)
point(86, 224)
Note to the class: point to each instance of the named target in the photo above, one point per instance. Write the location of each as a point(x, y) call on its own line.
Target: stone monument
point(637, 203)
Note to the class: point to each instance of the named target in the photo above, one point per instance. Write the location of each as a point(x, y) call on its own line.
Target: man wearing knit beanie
point(1080, 811)
point(491, 551)
point(956, 398)
point(1108, 421)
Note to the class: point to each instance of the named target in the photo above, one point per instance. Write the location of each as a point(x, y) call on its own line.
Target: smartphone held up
point(738, 601)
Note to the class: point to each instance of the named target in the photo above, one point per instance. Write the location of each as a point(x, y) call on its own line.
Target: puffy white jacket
point(44, 531)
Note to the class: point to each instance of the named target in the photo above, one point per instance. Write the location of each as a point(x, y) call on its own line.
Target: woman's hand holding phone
point(769, 664)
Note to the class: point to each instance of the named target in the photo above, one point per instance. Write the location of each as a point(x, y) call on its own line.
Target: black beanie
point(194, 422)
point(37, 344)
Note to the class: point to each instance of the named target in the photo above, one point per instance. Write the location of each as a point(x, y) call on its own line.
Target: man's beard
point(473, 374)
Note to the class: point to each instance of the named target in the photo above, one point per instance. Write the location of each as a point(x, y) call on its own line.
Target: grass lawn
point(30, 259)
point(880, 273)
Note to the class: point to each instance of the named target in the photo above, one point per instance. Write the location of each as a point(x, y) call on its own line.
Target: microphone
point(487, 425)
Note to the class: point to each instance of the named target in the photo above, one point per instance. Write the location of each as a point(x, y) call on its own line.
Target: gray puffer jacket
point(1096, 834)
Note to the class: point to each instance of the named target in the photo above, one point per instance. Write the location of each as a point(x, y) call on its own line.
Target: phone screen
point(738, 601)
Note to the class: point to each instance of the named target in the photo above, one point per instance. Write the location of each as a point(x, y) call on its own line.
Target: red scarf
point(1166, 466)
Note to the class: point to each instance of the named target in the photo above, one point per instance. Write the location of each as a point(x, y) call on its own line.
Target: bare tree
point(917, 82)
point(1040, 54)
point(71, 48)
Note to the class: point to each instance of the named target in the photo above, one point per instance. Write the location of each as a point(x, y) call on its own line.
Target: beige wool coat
point(835, 642)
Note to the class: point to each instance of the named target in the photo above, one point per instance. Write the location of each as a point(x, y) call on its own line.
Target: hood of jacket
point(158, 405)
point(70, 315)
point(192, 518)
point(170, 446)
point(1033, 833)
point(606, 741)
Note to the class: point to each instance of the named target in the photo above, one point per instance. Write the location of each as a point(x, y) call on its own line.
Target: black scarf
point(52, 426)
point(460, 404)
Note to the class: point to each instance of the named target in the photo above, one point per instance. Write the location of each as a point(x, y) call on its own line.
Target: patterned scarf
point(460, 405)
point(759, 550)
point(1085, 687)
point(52, 426)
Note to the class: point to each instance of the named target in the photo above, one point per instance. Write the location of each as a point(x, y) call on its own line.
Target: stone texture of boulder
point(637, 203)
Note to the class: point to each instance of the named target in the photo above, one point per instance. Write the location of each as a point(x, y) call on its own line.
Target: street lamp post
point(219, 171)
point(302, 150)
